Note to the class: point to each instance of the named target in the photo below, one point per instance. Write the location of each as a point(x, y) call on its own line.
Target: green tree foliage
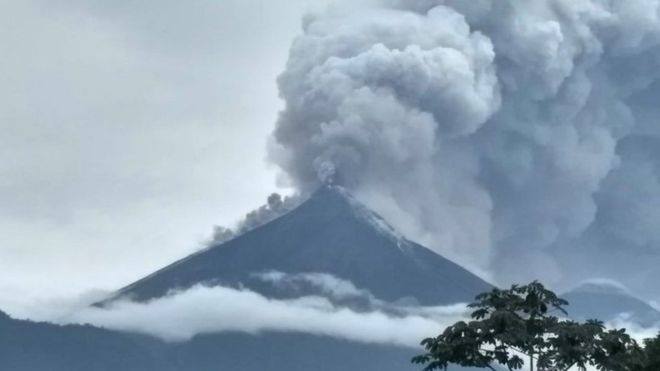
point(520, 327)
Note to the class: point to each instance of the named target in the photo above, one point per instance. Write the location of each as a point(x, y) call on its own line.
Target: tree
point(517, 327)
point(652, 354)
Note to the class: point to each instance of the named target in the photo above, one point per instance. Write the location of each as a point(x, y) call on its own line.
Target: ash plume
point(518, 137)
point(275, 206)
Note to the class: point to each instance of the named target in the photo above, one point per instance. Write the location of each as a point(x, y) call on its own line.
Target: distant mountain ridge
point(606, 302)
point(33, 346)
point(329, 233)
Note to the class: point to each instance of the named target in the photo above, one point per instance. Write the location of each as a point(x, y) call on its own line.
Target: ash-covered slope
point(329, 233)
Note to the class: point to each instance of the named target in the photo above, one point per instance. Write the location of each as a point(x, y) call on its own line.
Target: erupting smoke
point(275, 206)
point(497, 132)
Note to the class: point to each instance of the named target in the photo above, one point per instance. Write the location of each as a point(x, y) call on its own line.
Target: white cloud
point(201, 309)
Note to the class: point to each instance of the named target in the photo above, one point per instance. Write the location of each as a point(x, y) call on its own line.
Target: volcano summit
point(330, 233)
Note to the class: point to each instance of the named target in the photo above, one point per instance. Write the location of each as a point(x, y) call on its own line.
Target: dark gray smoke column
point(502, 132)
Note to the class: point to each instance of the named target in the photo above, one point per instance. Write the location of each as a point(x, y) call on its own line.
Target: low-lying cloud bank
point(201, 309)
point(324, 308)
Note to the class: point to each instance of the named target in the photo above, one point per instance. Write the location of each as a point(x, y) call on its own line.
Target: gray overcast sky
point(128, 131)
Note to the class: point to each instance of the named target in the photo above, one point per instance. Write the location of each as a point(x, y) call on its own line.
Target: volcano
point(330, 233)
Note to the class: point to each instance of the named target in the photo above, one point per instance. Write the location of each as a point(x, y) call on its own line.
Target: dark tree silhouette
point(520, 327)
point(652, 354)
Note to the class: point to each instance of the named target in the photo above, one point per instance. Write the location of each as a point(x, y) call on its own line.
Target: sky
point(519, 139)
point(129, 131)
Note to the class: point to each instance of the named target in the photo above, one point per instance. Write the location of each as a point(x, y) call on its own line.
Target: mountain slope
point(31, 346)
point(608, 302)
point(329, 233)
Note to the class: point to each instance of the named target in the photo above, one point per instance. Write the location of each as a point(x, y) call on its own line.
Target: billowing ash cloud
point(498, 132)
point(275, 206)
point(202, 309)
